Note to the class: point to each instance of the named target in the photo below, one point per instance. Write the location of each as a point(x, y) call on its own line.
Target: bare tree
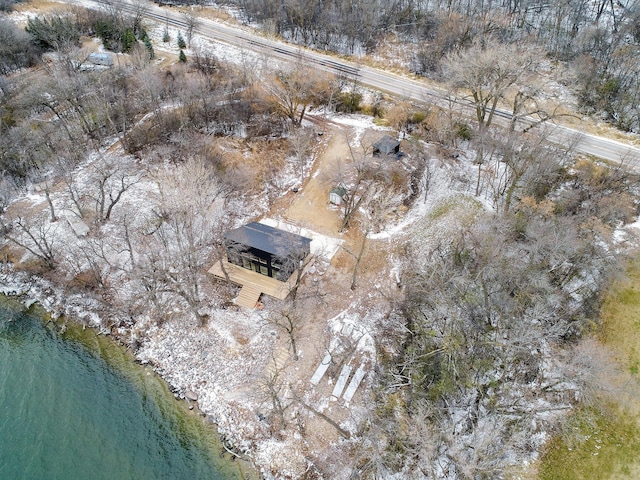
point(110, 182)
point(173, 256)
point(486, 74)
point(288, 320)
point(374, 209)
point(48, 184)
point(292, 90)
point(358, 189)
point(91, 262)
point(37, 236)
point(522, 165)
point(67, 175)
point(16, 49)
point(301, 142)
point(274, 389)
point(8, 190)
point(301, 267)
point(192, 23)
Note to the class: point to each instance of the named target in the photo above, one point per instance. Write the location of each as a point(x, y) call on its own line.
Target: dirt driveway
point(310, 208)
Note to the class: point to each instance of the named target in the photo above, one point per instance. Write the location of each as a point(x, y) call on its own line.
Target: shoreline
point(31, 291)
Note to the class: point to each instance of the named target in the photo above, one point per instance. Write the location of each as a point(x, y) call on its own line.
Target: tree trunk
point(51, 208)
point(354, 279)
point(292, 339)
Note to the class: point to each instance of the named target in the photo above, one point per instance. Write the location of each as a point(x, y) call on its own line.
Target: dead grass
point(16, 256)
point(10, 254)
point(341, 260)
point(209, 13)
point(603, 442)
point(621, 320)
point(42, 6)
point(376, 257)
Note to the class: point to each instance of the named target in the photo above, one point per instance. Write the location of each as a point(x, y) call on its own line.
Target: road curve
point(396, 85)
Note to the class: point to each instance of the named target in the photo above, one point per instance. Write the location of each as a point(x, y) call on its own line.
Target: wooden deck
point(248, 296)
point(256, 282)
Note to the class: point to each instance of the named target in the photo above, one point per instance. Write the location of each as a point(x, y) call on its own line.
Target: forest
point(118, 183)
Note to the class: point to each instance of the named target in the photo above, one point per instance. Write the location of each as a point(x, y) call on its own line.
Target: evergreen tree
point(181, 43)
point(166, 38)
point(128, 40)
point(142, 34)
point(182, 57)
point(56, 33)
point(147, 43)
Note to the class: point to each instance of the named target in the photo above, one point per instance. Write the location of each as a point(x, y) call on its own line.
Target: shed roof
point(101, 58)
point(339, 189)
point(269, 239)
point(386, 145)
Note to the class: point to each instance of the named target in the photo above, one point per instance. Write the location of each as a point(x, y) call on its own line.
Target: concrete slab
point(321, 245)
point(80, 228)
point(354, 384)
point(321, 370)
point(342, 381)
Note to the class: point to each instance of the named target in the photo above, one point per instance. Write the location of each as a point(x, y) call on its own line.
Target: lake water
point(75, 406)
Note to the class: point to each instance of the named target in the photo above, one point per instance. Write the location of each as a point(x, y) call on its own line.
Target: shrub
point(463, 131)
point(16, 50)
point(349, 102)
point(417, 117)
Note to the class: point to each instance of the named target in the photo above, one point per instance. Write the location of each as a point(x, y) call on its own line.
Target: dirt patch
point(311, 208)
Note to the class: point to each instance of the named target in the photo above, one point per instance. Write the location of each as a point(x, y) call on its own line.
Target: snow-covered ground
point(227, 363)
point(321, 245)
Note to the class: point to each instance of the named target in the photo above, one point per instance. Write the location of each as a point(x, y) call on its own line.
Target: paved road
point(378, 79)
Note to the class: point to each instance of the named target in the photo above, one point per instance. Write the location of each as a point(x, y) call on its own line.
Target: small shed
point(337, 194)
point(387, 145)
point(100, 58)
point(266, 250)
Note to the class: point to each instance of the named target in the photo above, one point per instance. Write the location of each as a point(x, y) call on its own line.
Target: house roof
point(269, 239)
point(386, 145)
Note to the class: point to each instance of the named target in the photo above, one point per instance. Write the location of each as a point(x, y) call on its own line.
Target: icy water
point(75, 406)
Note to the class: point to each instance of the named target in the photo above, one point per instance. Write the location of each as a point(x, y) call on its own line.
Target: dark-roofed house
point(266, 250)
point(387, 145)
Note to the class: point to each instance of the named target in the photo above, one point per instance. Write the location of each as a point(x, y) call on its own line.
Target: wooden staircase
point(248, 296)
point(280, 357)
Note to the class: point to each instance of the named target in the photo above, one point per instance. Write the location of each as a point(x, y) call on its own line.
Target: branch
point(340, 430)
